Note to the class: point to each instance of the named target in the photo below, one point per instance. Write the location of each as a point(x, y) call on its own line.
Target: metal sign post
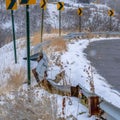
point(42, 22)
point(80, 13)
point(12, 5)
point(13, 30)
point(43, 7)
point(59, 23)
point(27, 3)
point(28, 44)
point(79, 23)
point(110, 23)
point(111, 13)
point(60, 7)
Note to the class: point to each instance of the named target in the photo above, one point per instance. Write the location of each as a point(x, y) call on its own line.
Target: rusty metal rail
point(111, 112)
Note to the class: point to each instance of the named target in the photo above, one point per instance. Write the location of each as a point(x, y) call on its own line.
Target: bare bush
point(16, 79)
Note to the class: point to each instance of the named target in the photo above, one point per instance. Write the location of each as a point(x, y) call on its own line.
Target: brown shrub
point(58, 44)
point(15, 80)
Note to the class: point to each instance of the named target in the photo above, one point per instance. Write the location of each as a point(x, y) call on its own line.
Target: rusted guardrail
point(107, 110)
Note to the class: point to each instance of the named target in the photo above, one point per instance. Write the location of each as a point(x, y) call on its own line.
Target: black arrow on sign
point(111, 12)
point(80, 11)
point(12, 4)
point(43, 4)
point(61, 6)
point(24, 1)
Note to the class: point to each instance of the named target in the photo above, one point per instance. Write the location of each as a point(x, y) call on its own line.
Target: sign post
point(28, 43)
point(80, 24)
point(42, 22)
point(59, 23)
point(60, 7)
point(110, 13)
point(13, 30)
point(43, 7)
point(12, 5)
point(110, 23)
point(80, 13)
point(27, 3)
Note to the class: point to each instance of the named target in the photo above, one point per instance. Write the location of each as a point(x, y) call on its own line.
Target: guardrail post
point(93, 103)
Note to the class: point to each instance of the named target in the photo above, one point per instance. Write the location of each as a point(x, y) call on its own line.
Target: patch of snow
point(6, 25)
point(77, 63)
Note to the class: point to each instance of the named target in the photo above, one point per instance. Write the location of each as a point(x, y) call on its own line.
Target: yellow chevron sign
point(27, 2)
point(43, 4)
point(111, 12)
point(11, 4)
point(60, 6)
point(80, 11)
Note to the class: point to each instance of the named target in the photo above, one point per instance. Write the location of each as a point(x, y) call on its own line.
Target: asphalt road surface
point(105, 57)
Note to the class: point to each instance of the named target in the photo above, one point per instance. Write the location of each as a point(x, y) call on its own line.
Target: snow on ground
point(8, 24)
point(74, 63)
point(7, 60)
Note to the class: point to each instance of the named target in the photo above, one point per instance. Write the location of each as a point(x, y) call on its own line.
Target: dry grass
point(15, 80)
point(55, 31)
point(53, 35)
point(29, 109)
point(58, 44)
point(36, 39)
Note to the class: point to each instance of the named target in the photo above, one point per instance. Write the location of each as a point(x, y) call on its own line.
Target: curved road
point(105, 57)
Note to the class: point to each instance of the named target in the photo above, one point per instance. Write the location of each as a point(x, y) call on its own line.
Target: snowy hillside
point(31, 99)
point(23, 102)
point(7, 61)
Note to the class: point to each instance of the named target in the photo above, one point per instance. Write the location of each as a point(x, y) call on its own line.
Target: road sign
point(111, 12)
point(11, 4)
point(27, 2)
point(60, 6)
point(80, 11)
point(43, 4)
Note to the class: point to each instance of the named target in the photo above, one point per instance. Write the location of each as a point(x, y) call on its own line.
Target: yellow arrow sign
point(60, 6)
point(80, 11)
point(27, 2)
point(111, 12)
point(43, 4)
point(11, 4)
